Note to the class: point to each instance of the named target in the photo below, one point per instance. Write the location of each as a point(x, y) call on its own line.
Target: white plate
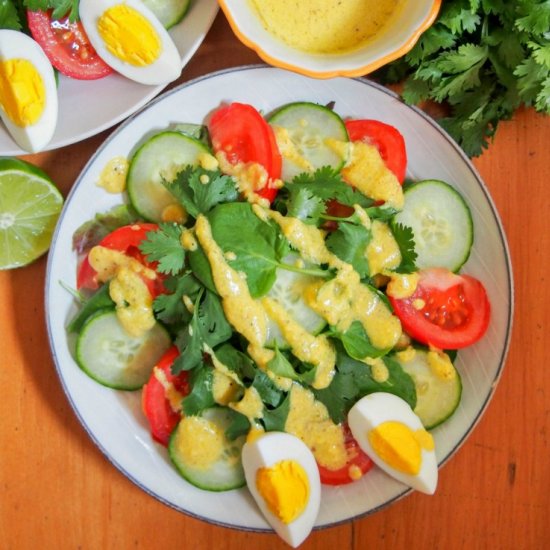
point(113, 419)
point(89, 107)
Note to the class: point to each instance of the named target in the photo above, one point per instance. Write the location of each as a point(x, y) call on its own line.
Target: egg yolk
point(22, 91)
point(285, 489)
point(129, 36)
point(399, 446)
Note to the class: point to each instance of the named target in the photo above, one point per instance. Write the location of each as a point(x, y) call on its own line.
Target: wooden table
point(57, 491)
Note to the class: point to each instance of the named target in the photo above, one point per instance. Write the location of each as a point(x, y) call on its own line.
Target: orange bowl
point(398, 35)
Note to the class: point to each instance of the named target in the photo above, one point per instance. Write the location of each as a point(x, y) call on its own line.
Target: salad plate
point(113, 419)
point(87, 107)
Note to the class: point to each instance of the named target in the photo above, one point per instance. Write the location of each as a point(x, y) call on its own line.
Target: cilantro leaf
point(305, 205)
point(405, 240)
point(239, 425)
point(274, 419)
point(60, 8)
point(164, 246)
point(200, 397)
point(349, 242)
point(208, 326)
point(170, 307)
point(9, 15)
point(268, 391)
point(199, 190)
point(326, 183)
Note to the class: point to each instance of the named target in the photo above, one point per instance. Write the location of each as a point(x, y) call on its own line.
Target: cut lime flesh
point(30, 205)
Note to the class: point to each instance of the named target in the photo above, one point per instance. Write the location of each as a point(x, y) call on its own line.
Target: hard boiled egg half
point(131, 40)
point(392, 435)
point(283, 477)
point(28, 94)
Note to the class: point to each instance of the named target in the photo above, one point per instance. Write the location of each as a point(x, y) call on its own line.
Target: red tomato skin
point(357, 458)
point(386, 138)
point(161, 416)
point(240, 131)
point(67, 56)
point(125, 239)
point(443, 284)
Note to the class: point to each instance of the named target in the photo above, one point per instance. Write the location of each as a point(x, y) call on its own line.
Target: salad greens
point(12, 11)
point(483, 59)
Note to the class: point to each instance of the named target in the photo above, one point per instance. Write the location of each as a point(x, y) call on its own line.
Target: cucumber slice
point(441, 222)
point(307, 125)
point(437, 396)
point(163, 155)
point(206, 434)
point(288, 291)
point(109, 355)
point(168, 12)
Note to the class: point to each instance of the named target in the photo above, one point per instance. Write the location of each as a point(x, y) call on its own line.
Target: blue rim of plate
point(503, 351)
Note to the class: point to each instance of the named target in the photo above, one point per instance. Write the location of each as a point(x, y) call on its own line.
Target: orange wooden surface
point(57, 491)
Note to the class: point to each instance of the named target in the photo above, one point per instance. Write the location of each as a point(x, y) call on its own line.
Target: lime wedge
point(30, 205)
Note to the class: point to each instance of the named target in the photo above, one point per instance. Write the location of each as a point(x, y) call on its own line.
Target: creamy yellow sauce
point(134, 303)
point(309, 420)
point(316, 350)
point(199, 442)
point(368, 173)
point(250, 178)
point(244, 313)
point(324, 26)
point(113, 175)
point(382, 251)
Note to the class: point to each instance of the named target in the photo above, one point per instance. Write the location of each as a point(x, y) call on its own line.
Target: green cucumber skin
point(130, 381)
point(447, 207)
point(319, 118)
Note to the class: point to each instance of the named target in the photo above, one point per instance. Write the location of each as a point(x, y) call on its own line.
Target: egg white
point(267, 450)
point(34, 137)
point(163, 70)
point(376, 408)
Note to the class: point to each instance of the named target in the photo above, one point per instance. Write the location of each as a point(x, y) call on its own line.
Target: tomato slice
point(125, 239)
point(447, 311)
point(67, 46)
point(357, 465)
point(387, 139)
point(163, 389)
point(240, 131)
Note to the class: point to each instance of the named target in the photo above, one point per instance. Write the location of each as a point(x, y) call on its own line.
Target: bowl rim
point(361, 70)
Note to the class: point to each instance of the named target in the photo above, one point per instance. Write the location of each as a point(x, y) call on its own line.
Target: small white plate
point(114, 420)
point(87, 108)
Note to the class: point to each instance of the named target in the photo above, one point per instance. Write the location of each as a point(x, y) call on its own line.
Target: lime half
point(30, 205)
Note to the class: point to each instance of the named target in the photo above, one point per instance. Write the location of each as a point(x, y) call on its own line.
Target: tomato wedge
point(240, 131)
point(125, 239)
point(161, 395)
point(357, 465)
point(67, 46)
point(387, 139)
point(446, 311)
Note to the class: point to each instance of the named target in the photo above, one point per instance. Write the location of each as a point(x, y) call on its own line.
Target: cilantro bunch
point(483, 59)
